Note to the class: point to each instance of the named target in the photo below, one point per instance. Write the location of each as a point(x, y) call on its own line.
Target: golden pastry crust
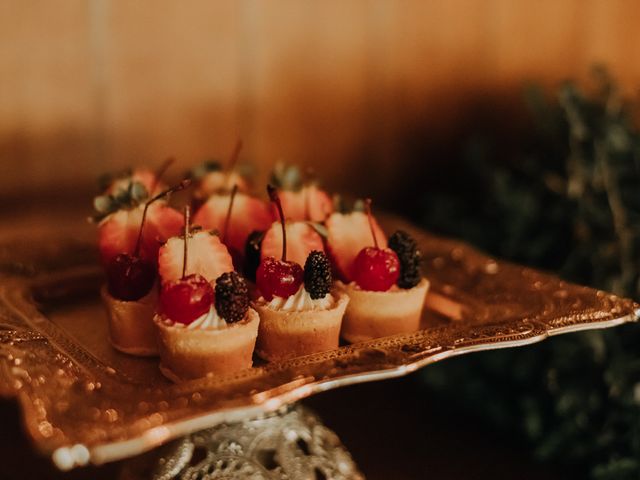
point(381, 314)
point(187, 354)
point(283, 335)
point(131, 327)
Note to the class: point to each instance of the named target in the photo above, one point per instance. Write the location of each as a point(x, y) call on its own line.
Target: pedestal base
point(291, 444)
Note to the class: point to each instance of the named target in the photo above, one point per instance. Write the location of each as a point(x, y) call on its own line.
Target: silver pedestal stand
point(290, 444)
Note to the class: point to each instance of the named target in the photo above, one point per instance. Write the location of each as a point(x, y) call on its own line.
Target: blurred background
point(369, 93)
point(511, 125)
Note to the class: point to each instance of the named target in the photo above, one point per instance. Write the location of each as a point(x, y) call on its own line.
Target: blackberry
point(317, 275)
point(252, 254)
point(409, 255)
point(232, 297)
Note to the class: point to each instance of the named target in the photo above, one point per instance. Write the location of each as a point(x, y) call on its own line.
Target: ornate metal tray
point(84, 402)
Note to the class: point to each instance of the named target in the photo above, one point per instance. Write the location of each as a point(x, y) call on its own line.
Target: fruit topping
point(236, 255)
point(252, 254)
point(187, 298)
point(130, 197)
point(302, 239)
point(151, 180)
point(207, 257)
point(317, 275)
point(375, 268)
point(249, 214)
point(309, 203)
point(212, 178)
point(225, 229)
point(280, 278)
point(119, 232)
point(120, 216)
point(286, 177)
point(407, 250)
point(130, 276)
point(347, 235)
point(156, 182)
point(232, 297)
point(300, 200)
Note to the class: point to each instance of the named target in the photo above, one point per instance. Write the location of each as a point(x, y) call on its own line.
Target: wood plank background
point(88, 86)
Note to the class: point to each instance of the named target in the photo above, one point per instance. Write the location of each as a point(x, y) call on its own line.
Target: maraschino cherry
point(279, 278)
point(189, 297)
point(376, 269)
point(129, 276)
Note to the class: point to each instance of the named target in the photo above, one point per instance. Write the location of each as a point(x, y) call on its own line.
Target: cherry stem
point(234, 190)
point(234, 156)
point(367, 204)
point(309, 176)
point(187, 221)
point(160, 171)
point(273, 196)
point(183, 184)
point(306, 202)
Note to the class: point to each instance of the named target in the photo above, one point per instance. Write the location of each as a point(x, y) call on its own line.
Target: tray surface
point(83, 401)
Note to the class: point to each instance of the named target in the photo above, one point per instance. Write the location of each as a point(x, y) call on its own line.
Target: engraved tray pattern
point(84, 402)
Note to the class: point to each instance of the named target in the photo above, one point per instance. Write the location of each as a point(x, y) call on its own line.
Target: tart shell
point(131, 327)
point(283, 335)
point(381, 314)
point(188, 354)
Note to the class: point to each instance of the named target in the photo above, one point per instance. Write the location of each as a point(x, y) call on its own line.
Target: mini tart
point(131, 325)
point(287, 334)
point(381, 314)
point(187, 354)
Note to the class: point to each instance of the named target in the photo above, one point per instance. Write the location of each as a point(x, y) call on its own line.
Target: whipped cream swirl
point(300, 301)
point(355, 286)
point(207, 321)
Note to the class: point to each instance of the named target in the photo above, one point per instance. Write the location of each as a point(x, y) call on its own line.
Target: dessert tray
point(82, 401)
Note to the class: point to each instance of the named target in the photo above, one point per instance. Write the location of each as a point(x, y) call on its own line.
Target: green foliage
point(569, 202)
point(286, 177)
point(107, 179)
point(207, 166)
point(128, 195)
point(344, 205)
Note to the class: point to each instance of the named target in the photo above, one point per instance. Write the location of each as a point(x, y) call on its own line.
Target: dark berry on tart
point(409, 255)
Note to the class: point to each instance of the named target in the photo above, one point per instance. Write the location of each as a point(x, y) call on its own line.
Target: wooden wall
point(93, 85)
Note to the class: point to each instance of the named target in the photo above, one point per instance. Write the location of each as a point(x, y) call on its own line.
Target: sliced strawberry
point(148, 179)
point(348, 234)
point(248, 214)
point(118, 232)
point(301, 240)
point(320, 204)
point(144, 176)
point(308, 203)
point(220, 182)
point(206, 256)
